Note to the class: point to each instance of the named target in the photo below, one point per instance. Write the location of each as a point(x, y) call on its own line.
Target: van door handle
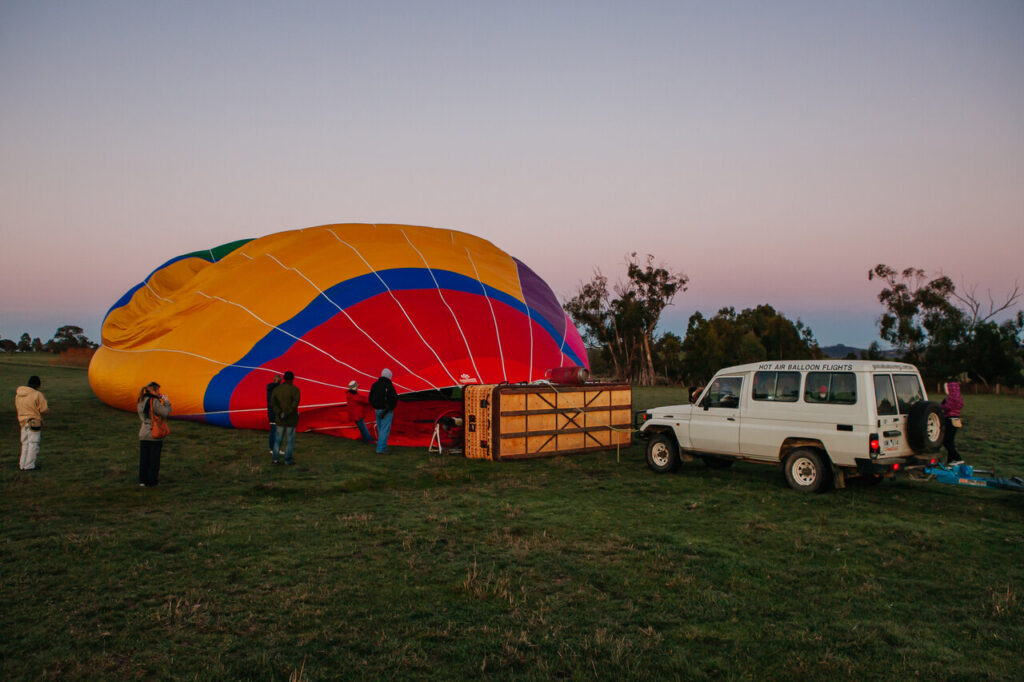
point(732, 419)
point(844, 427)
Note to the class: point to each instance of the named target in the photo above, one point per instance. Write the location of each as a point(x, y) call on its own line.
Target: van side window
point(885, 397)
point(836, 388)
point(908, 391)
point(724, 392)
point(777, 386)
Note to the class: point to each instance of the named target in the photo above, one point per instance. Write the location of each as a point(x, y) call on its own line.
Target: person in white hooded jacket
point(31, 406)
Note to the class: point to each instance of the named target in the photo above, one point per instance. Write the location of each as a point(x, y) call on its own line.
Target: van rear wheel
point(807, 471)
point(662, 454)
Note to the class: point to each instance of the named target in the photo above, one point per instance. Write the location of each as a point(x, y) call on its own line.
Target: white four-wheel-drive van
point(823, 421)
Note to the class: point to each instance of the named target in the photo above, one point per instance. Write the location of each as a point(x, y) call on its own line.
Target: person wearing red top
point(357, 407)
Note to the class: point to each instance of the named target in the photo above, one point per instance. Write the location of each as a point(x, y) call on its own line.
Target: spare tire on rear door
point(925, 427)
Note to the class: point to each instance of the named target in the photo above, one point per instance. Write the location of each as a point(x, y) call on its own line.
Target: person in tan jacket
point(31, 406)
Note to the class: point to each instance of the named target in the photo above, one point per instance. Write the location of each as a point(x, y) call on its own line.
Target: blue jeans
point(365, 432)
point(280, 434)
point(384, 418)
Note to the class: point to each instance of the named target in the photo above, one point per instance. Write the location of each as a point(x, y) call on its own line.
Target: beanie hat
point(386, 373)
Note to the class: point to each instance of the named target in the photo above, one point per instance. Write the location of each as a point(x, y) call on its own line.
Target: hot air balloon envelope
point(333, 304)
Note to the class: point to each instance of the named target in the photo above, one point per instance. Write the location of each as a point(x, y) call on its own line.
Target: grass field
point(408, 566)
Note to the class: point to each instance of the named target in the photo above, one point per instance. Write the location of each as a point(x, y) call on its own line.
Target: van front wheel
point(662, 455)
point(807, 471)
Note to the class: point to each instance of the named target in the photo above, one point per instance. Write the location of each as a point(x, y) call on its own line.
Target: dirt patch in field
point(74, 357)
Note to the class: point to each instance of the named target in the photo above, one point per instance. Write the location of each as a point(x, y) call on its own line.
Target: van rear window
point(777, 386)
point(885, 397)
point(836, 388)
point(908, 390)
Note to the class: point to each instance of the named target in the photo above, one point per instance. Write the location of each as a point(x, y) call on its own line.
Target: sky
point(771, 151)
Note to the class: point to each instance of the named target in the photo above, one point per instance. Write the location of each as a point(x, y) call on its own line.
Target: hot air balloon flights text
point(423, 563)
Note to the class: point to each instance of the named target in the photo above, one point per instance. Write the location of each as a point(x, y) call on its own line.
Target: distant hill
point(840, 351)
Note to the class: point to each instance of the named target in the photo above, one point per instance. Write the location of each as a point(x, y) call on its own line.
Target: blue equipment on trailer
point(965, 474)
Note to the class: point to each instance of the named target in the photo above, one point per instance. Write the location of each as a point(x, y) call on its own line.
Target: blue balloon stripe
point(345, 294)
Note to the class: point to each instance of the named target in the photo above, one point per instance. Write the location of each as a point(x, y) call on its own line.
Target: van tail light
point(875, 447)
point(896, 466)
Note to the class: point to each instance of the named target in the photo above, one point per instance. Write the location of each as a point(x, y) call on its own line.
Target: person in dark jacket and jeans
point(285, 403)
point(270, 410)
point(383, 399)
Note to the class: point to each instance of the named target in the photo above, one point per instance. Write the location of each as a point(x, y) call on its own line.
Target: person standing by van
point(31, 406)
point(951, 408)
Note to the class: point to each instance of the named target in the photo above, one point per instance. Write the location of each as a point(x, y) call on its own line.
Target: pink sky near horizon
point(773, 152)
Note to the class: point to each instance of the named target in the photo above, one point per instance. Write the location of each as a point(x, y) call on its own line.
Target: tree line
point(948, 333)
point(66, 337)
point(945, 331)
point(618, 325)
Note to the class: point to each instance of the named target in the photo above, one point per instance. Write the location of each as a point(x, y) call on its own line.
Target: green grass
point(406, 566)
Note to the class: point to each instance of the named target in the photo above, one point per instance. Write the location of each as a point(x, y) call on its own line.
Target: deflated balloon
point(333, 304)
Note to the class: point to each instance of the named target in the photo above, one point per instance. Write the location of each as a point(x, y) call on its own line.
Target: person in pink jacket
point(951, 408)
point(31, 406)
